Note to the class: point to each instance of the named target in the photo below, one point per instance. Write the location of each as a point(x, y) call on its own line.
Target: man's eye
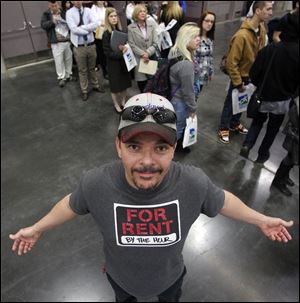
point(162, 148)
point(133, 147)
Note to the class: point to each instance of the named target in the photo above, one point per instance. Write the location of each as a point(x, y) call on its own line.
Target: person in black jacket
point(118, 75)
point(53, 22)
point(291, 144)
point(170, 11)
point(280, 86)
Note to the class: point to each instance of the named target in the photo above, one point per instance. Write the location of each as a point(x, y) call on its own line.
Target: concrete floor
point(50, 137)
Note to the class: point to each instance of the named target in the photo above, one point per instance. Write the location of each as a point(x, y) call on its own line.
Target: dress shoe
point(180, 149)
point(84, 96)
point(70, 78)
point(118, 109)
point(282, 187)
point(61, 82)
point(99, 89)
point(289, 182)
point(244, 152)
point(262, 159)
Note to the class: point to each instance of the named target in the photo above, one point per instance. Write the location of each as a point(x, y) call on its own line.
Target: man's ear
point(118, 146)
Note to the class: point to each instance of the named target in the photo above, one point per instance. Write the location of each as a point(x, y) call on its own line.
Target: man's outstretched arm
point(274, 228)
point(26, 238)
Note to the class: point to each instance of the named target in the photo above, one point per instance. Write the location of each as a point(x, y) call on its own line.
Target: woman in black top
point(118, 75)
point(171, 10)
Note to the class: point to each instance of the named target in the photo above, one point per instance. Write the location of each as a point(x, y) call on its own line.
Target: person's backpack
point(160, 83)
point(223, 65)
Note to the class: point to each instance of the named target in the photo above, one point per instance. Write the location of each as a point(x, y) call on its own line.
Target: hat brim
point(166, 133)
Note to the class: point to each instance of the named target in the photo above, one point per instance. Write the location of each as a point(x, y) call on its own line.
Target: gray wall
point(22, 36)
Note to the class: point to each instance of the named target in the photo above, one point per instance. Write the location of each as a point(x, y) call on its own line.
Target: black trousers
point(282, 173)
point(101, 58)
point(273, 127)
point(172, 294)
point(141, 85)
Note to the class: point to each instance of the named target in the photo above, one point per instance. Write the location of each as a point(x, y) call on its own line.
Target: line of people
point(247, 58)
point(143, 232)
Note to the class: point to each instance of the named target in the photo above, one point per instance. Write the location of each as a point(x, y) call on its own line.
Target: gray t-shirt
point(144, 230)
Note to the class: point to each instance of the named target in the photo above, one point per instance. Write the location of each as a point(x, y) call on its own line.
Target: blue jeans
point(273, 127)
point(182, 114)
point(228, 120)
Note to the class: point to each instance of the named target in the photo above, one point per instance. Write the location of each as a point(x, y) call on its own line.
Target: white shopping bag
point(165, 40)
point(240, 100)
point(171, 24)
point(163, 34)
point(129, 58)
point(190, 132)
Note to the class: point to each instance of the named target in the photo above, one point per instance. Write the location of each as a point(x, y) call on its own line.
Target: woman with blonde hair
point(143, 40)
point(171, 10)
point(182, 77)
point(118, 75)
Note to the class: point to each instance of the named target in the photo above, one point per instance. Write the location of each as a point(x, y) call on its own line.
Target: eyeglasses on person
point(139, 113)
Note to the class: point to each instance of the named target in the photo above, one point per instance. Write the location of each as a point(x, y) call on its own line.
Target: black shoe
point(244, 152)
point(282, 187)
point(262, 159)
point(289, 182)
point(180, 149)
point(84, 96)
point(186, 150)
point(71, 78)
point(99, 89)
point(61, 83)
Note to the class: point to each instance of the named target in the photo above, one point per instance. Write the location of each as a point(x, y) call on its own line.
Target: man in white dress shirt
point(82, 24)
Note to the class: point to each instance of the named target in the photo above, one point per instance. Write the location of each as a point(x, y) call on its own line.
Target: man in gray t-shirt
point(145, 205)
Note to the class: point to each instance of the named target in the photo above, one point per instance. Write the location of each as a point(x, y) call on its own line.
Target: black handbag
point(223, 65)
point(255, 99)
point(253, 105)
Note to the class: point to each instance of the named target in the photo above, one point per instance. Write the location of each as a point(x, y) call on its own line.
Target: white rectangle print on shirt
point(147, 225)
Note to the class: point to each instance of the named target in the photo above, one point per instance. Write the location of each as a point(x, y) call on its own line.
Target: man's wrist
point(37, 228)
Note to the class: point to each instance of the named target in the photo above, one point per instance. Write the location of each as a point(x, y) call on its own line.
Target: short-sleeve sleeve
point(214, 199)
point(78, 202)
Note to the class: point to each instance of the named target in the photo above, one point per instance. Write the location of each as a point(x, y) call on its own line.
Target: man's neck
point(255, 21)
point(55, 12)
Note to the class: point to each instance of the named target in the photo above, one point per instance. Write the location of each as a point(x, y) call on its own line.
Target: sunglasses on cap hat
point(138, 113)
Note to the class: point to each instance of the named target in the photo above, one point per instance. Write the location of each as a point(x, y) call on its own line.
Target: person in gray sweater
point(182, 77)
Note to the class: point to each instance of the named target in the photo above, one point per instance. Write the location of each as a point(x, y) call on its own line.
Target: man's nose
point(147, 157)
